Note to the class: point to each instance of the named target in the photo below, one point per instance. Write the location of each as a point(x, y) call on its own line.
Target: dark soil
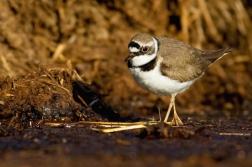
point(222, 142)
point(37, 90)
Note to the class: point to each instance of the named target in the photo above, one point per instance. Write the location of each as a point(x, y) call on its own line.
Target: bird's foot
point(176, 121)
point(168, 123)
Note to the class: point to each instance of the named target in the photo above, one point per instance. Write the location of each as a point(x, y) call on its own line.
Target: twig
point(107, 127)
point(234, 134)
point(58, 52)
point(57, 86)
point(12, 120)
point(83, 101)
point(119, 129)
point(48, 75)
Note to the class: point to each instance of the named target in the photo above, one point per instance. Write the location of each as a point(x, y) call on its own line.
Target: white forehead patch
point(133, 49)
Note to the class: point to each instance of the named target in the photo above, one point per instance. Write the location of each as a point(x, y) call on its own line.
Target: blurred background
point(94, 35)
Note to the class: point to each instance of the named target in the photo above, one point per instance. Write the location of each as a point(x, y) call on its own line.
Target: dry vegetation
point(94, 36)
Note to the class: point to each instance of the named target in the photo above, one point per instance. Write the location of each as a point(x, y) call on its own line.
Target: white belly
point(155, 82)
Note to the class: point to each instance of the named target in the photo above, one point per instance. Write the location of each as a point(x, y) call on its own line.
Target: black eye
point(145, 49)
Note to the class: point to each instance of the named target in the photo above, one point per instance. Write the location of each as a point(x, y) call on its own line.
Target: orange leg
point(172, 102)
point(176, 120)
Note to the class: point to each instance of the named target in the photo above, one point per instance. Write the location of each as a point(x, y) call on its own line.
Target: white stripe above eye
point(133, 49)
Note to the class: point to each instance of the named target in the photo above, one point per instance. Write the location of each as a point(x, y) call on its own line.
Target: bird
point(166, 66)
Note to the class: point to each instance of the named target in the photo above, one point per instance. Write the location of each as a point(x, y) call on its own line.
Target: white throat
point(146, 58)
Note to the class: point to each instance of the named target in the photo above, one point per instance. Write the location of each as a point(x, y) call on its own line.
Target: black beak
point(130, 56)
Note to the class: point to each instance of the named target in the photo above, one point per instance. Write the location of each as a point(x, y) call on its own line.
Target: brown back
point(182, 62)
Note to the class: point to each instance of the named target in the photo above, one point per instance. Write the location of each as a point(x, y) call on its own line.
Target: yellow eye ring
point(145, 49)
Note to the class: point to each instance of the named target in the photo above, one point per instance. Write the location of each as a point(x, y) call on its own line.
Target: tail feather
point(214, 55)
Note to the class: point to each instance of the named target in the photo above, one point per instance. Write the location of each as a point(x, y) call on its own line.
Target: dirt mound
point(55, 95)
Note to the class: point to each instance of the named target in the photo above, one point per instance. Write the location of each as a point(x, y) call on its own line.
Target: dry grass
point(94, 36)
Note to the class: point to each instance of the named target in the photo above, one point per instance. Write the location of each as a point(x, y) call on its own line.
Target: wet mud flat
point(215, 142)
point(43, 116)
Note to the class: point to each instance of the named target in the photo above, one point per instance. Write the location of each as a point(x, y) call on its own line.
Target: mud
point(216, 142)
